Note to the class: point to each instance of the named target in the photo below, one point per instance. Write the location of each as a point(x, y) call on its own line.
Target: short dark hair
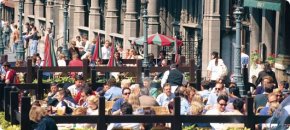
point(205, 84)
point(235, 91)
point(111, 81)
point(238, 104)
point(126, 108)
point(54, 84)
point(79, 77)
point(125, 89)
point(6, 64)
point(223, 97)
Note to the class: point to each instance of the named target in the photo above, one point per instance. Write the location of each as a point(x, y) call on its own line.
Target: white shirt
point(61, 63)
point(87, 46)
point(106, 52)
point(92, 112)
point(74, 90)
point(79, 44)
point(215, 72)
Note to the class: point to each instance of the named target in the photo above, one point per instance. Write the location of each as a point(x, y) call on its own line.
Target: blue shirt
point(117, 104)
point(112, 93)
point(163, 99)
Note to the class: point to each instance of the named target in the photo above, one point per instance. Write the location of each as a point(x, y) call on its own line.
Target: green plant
point(271, 58)
point(57, 80)
point(255, 56)
point(5, 125)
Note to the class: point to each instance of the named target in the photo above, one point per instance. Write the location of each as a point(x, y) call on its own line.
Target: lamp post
point(65, 30)
point(237, 50)
point(145, 45)
point(20, 47)
point(1, 28)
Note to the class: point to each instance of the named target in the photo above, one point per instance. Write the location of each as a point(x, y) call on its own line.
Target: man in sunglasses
point(117, 105)
point(212, 98)
point(220, 109)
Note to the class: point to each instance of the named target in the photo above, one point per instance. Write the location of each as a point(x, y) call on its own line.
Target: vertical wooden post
point(102, 117)
point(250, 112)
point(139, 71)
point(29, 71)
point(7, 90)
point(2, 85)
point(39, 93)
point(192, 71)
point(94, 76)
point(176, 124)
point(13, 104)
point(86, 69)
point(25, 108)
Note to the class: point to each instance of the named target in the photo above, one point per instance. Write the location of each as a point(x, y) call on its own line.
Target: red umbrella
point(158, 39)
point(111, 61)
point(49, 53)
point(97, 51)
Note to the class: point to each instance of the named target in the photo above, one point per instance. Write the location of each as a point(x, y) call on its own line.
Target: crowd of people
point(218, 96)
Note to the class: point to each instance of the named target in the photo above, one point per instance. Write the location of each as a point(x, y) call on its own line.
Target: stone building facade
point(204, 25)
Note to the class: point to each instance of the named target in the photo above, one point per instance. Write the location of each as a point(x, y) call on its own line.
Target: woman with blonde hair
point(39, 115)
point(134, 100)
point(190, 92)
point(93, 105)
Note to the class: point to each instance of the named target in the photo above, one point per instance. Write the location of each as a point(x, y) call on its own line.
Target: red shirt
point(10, 75)
point(76, 62)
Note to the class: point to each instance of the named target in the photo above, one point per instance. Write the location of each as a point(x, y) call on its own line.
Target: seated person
point(126, 109)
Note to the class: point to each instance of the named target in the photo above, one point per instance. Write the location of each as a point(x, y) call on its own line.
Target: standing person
point(106, 50)
point(216, 69)
point(10, 74)
point(86, 43)
point(75, 62)
point(244, 58)
point(266, 72)
point(79, 42)
point(15, 38)
point(6, 34)
point(73, 50)
point(34, 36)
point(174, 77)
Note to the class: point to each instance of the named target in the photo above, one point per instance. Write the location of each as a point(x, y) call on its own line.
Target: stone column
point(170, 16)
point(211, 31)
point(16, 10)
point(282, 64)
point(38, 12)
point(130, 23)
point(71, 20)
point(94, 17)
point(268, 28)
point(49, 13)
point(60, 21)
point(28, 9)
point(153, 22)
point(111, 24)
point(255, 27)
point(79, 17)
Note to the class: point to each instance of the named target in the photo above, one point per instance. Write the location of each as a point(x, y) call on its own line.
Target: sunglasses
point(126, 93)
point(223, 104)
